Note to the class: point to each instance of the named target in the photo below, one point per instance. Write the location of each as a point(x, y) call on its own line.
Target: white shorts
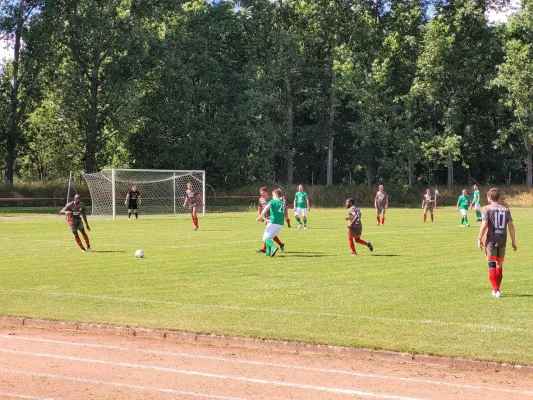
point(271, 231)
point(300, 212)
point(477, 206)
point(463, 212)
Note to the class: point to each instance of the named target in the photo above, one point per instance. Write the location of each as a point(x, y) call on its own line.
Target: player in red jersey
point(264, 198)
point(355, 227)
point(495, 220)
point(192, 202)
point(75, 211)
point(381, 202)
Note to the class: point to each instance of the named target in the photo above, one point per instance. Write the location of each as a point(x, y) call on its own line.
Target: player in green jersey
point(277, 217)
point(476, 204)
point(463, 202)
point(301, 206)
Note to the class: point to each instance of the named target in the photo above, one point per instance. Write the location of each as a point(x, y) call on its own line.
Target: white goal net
point(160, 191)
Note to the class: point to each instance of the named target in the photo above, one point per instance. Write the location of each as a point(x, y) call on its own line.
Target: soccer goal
point(161, 191)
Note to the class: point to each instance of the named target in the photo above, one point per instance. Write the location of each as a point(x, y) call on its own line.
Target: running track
point(50, 364)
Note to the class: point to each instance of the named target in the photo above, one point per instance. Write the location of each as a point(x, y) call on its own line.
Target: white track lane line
point(118, 384)
point(327, 389)
point(275, 365)
point(23, 396)
point(270, 310)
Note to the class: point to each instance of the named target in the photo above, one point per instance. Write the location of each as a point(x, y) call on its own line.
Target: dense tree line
point(403, 91)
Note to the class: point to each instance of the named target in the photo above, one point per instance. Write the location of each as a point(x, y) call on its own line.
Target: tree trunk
point(529, 171)
point(369, 174)
point(449, 183)
point(331, 122)
point(92, 126)
point(329, 178)
point(289, 132)
point(13, 131)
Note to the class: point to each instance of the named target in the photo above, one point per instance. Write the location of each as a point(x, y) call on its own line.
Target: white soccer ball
point(139, 254)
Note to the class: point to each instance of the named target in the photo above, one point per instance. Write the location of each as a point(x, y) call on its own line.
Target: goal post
point(161, 191)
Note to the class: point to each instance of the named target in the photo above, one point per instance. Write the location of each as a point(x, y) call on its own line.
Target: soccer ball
point(139, 254)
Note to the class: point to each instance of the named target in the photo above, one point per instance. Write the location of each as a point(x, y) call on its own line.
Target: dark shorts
point(380, 210)
point(495, 253)
point(76, 225)
point(428, 208)
point(132, 204)
point(355, 230)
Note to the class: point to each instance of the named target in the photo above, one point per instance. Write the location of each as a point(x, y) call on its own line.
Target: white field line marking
point(267, 364)
point(274, 311)
point(214, 376)
point(22, 396)
point(118, 384)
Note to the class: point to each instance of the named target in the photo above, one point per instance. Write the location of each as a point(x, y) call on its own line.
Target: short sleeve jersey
point(497, 217)
point(192, 197)
point(464, 202)
point(429, 200)
point(262, 204)
point(301, 199)
point(77, 210)
point(355, 215)
point(476, 197)
point(381, 199)
point(134, 195)
point(277, 211)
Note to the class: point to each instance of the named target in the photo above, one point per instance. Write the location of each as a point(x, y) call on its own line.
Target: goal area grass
point(424, 289)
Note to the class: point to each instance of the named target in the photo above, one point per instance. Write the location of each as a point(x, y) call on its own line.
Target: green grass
point(423, 290)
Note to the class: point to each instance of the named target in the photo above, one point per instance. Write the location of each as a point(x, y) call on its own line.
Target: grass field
point(423, 290)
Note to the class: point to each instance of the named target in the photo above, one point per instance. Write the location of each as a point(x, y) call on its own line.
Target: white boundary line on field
point(268, 364)
point(23, 396)
point(274, 311)
point(293, 385)
point(116, 384)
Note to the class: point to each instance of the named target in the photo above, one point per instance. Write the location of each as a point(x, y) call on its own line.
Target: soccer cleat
point(83, 250)
point(493, 293)
point(299, 226)
point(353, 254)
point(305, 227)
point(89, 248)
point(461, 226)
point(274, 251)
point(195, 228)
point(261, 251)
point(498, 294)
point(378, 223)
point(282, 247)
point(468, 225)
point(370, 247)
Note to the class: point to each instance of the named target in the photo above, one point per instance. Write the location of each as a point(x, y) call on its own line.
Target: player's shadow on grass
point(385, 255)
point(305, 255)
point(518, 295)
point(108, 251)
point(305, 252)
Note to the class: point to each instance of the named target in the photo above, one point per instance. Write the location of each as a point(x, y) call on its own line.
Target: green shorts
point(495, 253)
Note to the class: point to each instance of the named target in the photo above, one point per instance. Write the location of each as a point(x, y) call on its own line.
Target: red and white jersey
point(191, 197)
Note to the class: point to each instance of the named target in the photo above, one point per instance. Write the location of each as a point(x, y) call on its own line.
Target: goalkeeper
point(132, 199)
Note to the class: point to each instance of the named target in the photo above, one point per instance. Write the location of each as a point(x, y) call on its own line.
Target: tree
point(515, 74)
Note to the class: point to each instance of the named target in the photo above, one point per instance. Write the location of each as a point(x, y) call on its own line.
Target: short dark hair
point(278, 192)
point(494, 194)
point(350, 201)
point(263, 189)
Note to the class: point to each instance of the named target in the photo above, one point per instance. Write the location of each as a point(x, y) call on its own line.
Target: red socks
point(195, 221)
point(383, 221)
point(426, 216)
point(288, 221)
point(86, 240)
point(264, 248)
point(499, 276)
point(493, 279)
point(78, 240)
point(360, 241)
point(431, 217)
point(377, 217)
point(278, 242)
point(352, 245)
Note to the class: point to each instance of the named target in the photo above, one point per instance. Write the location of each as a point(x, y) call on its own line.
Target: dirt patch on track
point(43, 359)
